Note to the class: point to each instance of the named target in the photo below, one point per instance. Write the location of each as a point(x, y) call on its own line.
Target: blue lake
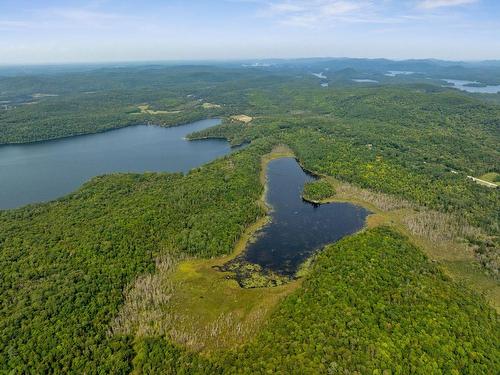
point(44, 171)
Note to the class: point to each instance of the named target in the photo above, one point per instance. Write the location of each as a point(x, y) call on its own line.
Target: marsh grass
point(383, 202)
point(148, 309)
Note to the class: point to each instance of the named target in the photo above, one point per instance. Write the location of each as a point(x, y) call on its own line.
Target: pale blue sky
point(49, 31)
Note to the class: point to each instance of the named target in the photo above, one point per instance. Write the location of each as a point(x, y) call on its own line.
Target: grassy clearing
point(242, 118)
point(491, 185)
point(145, 110)
point(216, 313)
point(210, 106)
point(197, 306)
point(492, 177)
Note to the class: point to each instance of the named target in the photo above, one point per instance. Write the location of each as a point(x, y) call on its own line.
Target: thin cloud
point(281, 8)
point(67, 18)
point(321, 13)
point(341, 7)
point(312, 13)
point(15, 25)
point(85, 17)
point(433, 4)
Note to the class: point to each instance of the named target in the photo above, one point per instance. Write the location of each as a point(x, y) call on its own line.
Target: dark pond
point(47, 170)
point(298, 228)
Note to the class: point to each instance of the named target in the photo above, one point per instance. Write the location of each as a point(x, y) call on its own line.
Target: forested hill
point(69, 104)
point(58, 102)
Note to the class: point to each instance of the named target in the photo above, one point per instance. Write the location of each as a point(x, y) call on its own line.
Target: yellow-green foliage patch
point(493, 177)
point(210, 106)
point(242, 118)
point(145, 110)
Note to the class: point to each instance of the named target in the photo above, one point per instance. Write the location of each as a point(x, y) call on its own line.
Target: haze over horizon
point(56, 31)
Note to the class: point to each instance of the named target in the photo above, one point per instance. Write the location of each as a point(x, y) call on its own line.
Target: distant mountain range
point(487, 72)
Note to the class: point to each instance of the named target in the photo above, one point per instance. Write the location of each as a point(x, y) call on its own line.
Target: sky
point(60, 31)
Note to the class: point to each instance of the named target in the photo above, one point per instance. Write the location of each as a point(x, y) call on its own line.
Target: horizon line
point(235, 60)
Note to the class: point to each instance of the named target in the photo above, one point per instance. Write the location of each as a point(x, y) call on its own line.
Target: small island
point(318, 190)
point(475, 84)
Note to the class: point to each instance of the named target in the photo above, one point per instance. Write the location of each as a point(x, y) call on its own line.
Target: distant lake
point(365, 80)
point(319, 75)
point(463, 85)
point(394, 73)
point(44, 171)
point(298, 228)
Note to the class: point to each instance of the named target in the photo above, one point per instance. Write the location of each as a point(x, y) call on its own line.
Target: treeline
point(75, 114)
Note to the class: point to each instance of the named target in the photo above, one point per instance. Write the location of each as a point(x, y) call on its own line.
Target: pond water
point(47, 170)
point(464, 86)
point(298, 228)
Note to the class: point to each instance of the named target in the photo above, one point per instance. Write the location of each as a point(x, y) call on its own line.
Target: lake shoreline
point(109, 130)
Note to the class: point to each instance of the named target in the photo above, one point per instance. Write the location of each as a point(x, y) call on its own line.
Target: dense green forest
point(371, 304)
point(65, 264)
point(48, 106)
